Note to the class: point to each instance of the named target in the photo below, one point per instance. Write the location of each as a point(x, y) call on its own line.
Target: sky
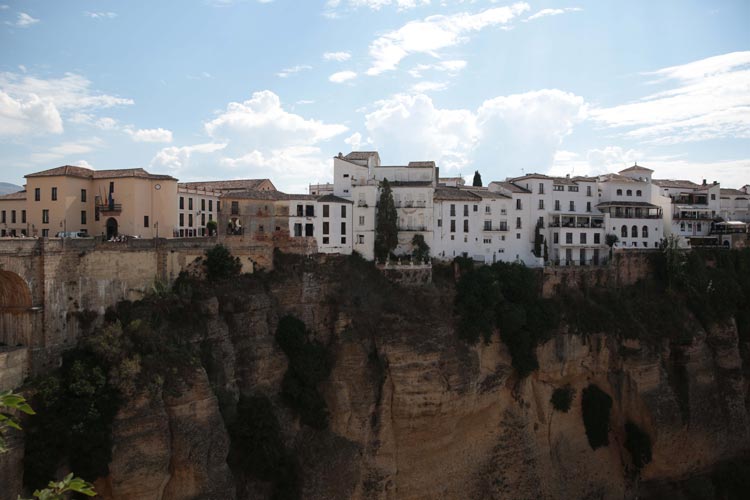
point(218, 89)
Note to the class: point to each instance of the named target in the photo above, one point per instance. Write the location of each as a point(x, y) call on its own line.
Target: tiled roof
point(636, 168)
point(361, 155)
point(410, 183)
point(619, 178)
point(86, 173)
point(453, 193)
point(733, 192)
point(513, 188)
point(676, 183)
point(230, 185)
point(20, 195)
point(485, 193)
point(330, 198)
point(255, 194)
point(418, 164)
point(532, 175)
point(564, 180)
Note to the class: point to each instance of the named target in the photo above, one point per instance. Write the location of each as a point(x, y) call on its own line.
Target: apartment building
point(327, 218)
point(734, 204)
point(689, 209)
point(103, 203)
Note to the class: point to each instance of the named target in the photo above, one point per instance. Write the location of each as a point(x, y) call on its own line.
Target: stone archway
point(111, 228)
point(15, 310)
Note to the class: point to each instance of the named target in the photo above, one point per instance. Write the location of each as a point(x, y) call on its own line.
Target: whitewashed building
point(689, 209)
point(735, 204)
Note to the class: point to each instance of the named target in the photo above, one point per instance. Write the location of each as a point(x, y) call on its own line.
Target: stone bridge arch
point(16, 310)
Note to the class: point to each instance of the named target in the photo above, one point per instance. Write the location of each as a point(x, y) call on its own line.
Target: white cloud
point(24, 20)
point(150, 135)
point(435, 33)
point(31, 115)
point(337, 56)
point(179, 158)
point(4, 7)
point(552, 12)
point(378, 4)
point(427, 86)
point(451, 67)
point(34, 105)
point(67, 149)
point(262, 122)
point(287, 72)
point(342, 76)
point(100, 15)
point(709, 99)
point(354, 141)
point(84, 164)
point(505, 133)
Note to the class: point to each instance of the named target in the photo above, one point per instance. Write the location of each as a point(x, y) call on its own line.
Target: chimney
point(704, 182)
point(340, 155)
point(567, 176)
point(715, 183)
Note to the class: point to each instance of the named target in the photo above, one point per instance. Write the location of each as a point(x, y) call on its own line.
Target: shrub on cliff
point(309, 365)
point(220, 264)
point(596, 406)
point(638, 443)
point(562, 397)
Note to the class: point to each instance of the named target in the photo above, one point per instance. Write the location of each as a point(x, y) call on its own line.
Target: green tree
point(59, 490)
point(211, 227)
point(538, 239)
point(10, 402)
point(420, 248)
point(386, 229)
point(611, 239)
point(477, 182)
point(220, 264)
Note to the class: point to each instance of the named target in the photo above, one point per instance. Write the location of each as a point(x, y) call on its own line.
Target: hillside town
point(536, 219)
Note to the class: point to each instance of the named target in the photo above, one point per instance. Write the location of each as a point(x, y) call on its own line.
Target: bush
point(220, 264)
point(562, 397)
point(309, 365)
point(596, 405)
point(638, 443)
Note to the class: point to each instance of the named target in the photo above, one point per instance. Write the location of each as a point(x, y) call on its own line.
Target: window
point(518, 204)
point(309, 229)
point(111, 187)
point(558, 187)
point(210, 205)
point(326, 210)
point(453, 226)
point(310, 210)
point(2, 220)
point(45, 216)
point(588, 206)
point(466, 210)
point(45, 233)
point(343, 228)
point(12, 216)
point(624, 231)
point(54, 194)
point(146, 221)
point(629, 192)
point(487, 209)
point(619, 192)
point(190, 203)
point(588, 190)
point(541, 204)
point(343, 240)
point(503, 211)
point(182, 203)
point(583, 238)
point(343, 211)
point(503, 226)
point(541, 188)
point(569, 238)
point(487, 241)
point(326, 240)
point(182, 220)
point(644, 232)
point(453, 210)
point(325, 228)
point(639, 193)
point(518, 236)
point(466, 225)
point(361, 220)
point(573, 189)
point(83, 217)
point(555, 238)
point(557, 205)
point(597, 238)
point(476, 208)
point(23, 216)
point(218, 206)
point(37, 194)
point(361, 239)
point(634, 231)
point(346, 176)
point(235, 208)
point(488, 225)
point(298, 230)
point(203, 220)
point(572, 206)
point(440, 223)
point(698, 226)
point(518, 223)
point(190, 220)
point(713, 196)
point(83, 196)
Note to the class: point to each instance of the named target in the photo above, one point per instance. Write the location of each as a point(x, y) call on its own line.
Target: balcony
point(495, 229)
point(362, 204)
point(412, 228)
point(109, 208)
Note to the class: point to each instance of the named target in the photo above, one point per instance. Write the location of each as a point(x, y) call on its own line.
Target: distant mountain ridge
point(7, 187)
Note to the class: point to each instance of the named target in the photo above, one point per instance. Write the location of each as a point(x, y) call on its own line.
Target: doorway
point(111, 228)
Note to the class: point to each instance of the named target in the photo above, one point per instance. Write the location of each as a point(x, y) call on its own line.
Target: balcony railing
point(109, 207)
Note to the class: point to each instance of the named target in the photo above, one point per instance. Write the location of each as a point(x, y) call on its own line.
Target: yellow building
point(106, 203)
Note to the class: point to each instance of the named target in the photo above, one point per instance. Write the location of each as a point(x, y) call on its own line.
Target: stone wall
point(13, 367)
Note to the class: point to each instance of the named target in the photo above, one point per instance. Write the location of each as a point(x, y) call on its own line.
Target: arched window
point(619, 192)
point(644, 232)
point(624, 231)
point(634, 231)
point(639, 193)
point(630, 192)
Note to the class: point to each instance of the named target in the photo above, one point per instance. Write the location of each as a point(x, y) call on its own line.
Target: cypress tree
point(386, 229)
point(477, 182)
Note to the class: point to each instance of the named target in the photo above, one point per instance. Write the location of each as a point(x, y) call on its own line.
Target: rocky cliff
point(415, 412)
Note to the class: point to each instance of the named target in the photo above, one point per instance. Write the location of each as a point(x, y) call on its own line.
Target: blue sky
point(210, 89)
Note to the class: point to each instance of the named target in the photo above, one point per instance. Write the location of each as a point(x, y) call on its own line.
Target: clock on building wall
point(157, 187)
